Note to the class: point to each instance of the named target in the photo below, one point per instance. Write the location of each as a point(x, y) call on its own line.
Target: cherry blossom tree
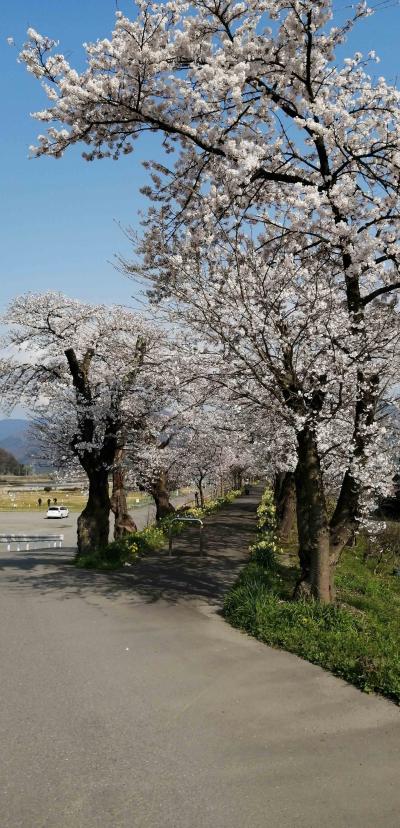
point(274, 139)
point(199, 439)
point(94, 375)
point(199, 453)
point(286, 344)
point(148, 463)
point(169, 455)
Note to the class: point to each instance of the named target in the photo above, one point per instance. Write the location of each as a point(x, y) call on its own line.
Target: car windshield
point(53, 508)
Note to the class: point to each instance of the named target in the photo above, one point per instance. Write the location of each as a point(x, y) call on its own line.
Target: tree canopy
point(274, 235)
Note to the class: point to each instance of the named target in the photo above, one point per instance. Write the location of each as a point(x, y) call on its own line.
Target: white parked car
point(57, 512)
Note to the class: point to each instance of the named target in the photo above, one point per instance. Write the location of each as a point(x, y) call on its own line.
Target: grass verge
point(358, 639)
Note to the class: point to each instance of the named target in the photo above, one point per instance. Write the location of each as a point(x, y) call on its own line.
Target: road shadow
point(186, 576)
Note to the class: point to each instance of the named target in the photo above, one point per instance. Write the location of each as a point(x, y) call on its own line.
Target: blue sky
point(58, 221)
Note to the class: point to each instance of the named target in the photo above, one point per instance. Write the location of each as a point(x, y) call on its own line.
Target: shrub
point(113, 556)
point(266, 512)
point(125, 550)
point(150, 539)
point(384, 548)
point(192, 511)
point(263, 553)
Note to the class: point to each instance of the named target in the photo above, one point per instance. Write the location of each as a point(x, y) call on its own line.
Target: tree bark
point(285, 503)
point(160, 494)
point(312, 522)
point(123, 523)
point(94, 521)
point(200, 490)
point(344, 519)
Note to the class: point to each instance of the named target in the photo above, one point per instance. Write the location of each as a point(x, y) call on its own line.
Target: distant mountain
point(15, 439)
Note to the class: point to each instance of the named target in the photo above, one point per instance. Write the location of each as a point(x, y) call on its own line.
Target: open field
point(25, 501)
point(20, 500)
point(23, 480)
point(16, 494)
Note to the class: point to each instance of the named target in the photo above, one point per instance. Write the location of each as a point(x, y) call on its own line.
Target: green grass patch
point(124, 550)
point(19, 500)
point(358, 639)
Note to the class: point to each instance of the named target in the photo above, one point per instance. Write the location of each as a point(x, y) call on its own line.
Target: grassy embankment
point(358, 639)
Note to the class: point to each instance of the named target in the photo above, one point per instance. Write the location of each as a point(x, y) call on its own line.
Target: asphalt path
point(126, 700)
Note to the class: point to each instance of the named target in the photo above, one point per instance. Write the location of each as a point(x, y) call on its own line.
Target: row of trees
point(116, 396)
point(272, 241)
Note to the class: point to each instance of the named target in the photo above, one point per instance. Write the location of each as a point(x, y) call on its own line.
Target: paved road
point(127, 702)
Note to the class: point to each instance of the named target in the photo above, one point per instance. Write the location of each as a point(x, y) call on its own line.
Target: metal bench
point(51, 540)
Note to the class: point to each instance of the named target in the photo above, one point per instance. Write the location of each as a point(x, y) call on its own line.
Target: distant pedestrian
point(48, 502)
point(54, 500)
point(39, 502)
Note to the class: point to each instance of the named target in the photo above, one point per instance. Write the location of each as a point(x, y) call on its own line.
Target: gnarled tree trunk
point(159, 491)
point(285, 503)
point(123, 523)
point(312, 521)
point(344, 519)
point(343, 523)
point(94, 522)
point(200, 491)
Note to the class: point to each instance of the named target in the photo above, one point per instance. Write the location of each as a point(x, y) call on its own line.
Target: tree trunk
point(94, 522)
point(312, 521)
point(201, 493)
point(285, 503)
point(343, 522)
point(344, 519)
point(123, 523)
point(160, 494)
